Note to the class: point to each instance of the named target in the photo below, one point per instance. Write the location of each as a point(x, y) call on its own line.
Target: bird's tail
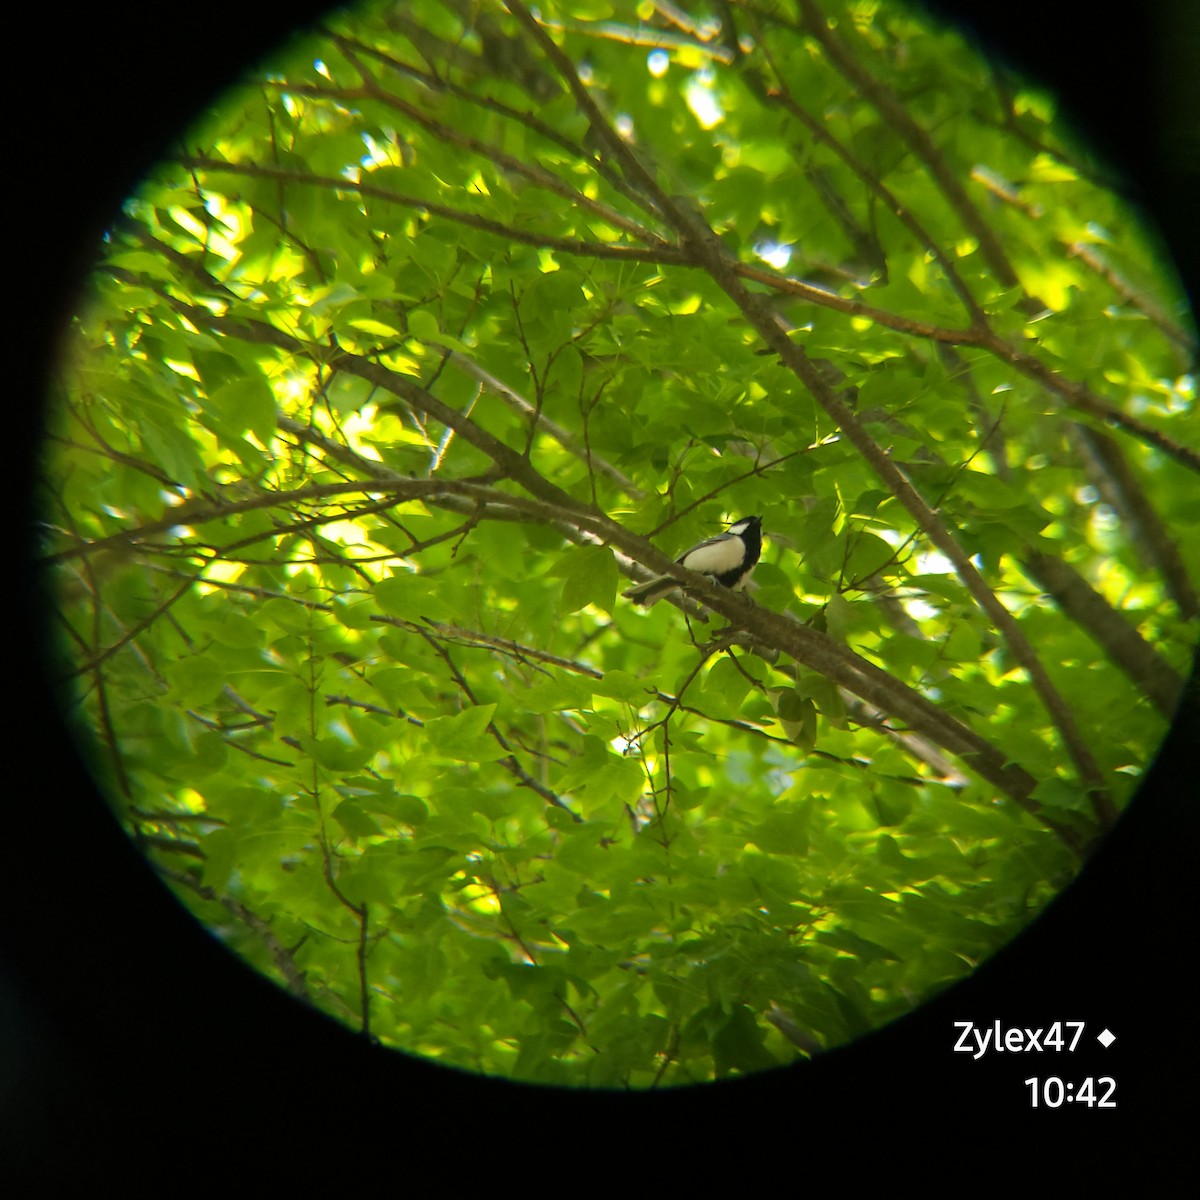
point(651, 591)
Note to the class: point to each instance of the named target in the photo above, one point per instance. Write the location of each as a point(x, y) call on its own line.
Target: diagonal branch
point(781, 94)
point(507, 233)
point(931, 524)
point(536, 175)
point(898, 116)
point(1119, 640)
point(708, 252)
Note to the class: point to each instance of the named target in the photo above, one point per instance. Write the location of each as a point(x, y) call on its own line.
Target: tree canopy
point(458, 318)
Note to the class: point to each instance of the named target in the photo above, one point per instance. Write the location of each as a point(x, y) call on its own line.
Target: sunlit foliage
point(445, 327)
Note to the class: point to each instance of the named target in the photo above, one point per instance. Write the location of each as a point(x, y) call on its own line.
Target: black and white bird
point(729, 558)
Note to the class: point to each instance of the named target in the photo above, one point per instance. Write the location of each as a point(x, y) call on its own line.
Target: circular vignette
point(771, 865)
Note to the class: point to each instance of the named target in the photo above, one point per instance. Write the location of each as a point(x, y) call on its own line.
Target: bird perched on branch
point(729, 558)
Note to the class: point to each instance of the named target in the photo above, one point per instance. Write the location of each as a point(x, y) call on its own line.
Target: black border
point(130, 1040)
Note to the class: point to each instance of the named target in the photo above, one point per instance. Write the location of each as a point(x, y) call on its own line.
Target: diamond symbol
point(1106, 1039)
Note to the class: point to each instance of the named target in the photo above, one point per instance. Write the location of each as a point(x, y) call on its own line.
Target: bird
point(729, 558)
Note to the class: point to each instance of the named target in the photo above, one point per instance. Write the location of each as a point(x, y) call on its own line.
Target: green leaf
point(246, 405)
point(404, 595)
point(196, 681)
point(423, 325)
point(591, 578)
point(738, 1045)
point(463, 736)
point(355, 821)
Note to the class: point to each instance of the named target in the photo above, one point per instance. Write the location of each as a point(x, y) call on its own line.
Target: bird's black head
point(742, 524)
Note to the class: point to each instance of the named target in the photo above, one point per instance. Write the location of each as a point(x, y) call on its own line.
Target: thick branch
point(929, 522)
point(781, 94)
point(1120, 641)
point(897, 115)
point(884, 693)
point(1121, 488)
point(707, 252)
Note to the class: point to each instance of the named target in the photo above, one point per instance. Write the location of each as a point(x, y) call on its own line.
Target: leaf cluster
point(441, 330)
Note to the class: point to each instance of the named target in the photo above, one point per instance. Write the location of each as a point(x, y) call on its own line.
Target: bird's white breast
point(716, 557)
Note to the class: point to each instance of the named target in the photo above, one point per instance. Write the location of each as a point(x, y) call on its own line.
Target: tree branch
point(1119, 640)
point(508, 234)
